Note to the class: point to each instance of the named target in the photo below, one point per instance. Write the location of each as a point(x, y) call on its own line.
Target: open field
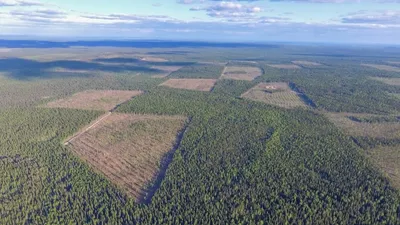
point(284, 66)
point(278, 94)
point(166, 70)
point(390, 81)
point(383, 67)
point(153, 59)
point(104, 100)
point(241, 73)
point(4, 50)
point(394, 62)
point(387, 158)
point(128, 149)
point(306, 63)
point(190, 84)
point(387, 130)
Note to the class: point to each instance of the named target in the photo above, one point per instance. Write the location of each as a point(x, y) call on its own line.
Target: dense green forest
point(239, 162)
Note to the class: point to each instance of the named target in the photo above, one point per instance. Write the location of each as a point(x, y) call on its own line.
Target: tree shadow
point(18, 68)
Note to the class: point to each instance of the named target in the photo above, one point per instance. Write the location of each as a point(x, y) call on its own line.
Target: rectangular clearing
point(103, 100)
point(190, 84)
point(128, 149)
point(241, 73)
point(385, 130)
point(387, 158)
point(278, 94)
point(383, 67)
point(390, 81)
point(285, 66)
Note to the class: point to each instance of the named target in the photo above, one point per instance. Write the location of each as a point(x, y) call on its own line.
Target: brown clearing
point(383, 67)
point(190, 84)
point(241, 73)
point(167, 70)
point(284, 66)
point(4, 50)
point(153, 59)
point(390, 81)
point(103, 100)
point(278, 93)
point(306, 63)
point(387, 130)
point(128, 149)
point(387, 158)
point(394, 62)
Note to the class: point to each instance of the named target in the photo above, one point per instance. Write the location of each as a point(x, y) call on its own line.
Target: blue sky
point(350, 21)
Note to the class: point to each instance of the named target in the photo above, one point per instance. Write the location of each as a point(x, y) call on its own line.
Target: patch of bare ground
point(394, 62)
point(387, 130)
point(387, 158)
point(167, 70)
point(241, 73)
point(306, 63)
point(285, 66)
point(152, 59)
point(4, 50)
point(128, 149)
point(190, 84)
point(390, 81)
point(103, 100)
point(383, 67)
point(278, 94)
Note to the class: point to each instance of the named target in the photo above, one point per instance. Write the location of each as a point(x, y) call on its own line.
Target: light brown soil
point(387, 130)
point(278, 94)
point(103, 100)
point(241, 73)
point(167, 70)
point(306, 63)
point(4, 50)
point(390, 81)
point(285, 66)
point(191, 84)
point(383, 67)
point(153, 59)
point(388, 160)
point(128, 148)
point(394, 62)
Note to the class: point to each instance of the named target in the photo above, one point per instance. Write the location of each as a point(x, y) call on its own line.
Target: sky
point(329, 21)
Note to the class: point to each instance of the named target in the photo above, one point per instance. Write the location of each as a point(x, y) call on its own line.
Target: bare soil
point(191, 84)
point(241, 73)
point(383, 67)
point(103, 100)
point(390, 81)
point(128, 149)
point(277, 93)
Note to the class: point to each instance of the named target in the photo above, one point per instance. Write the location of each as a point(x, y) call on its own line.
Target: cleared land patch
point(387, 158)
point(104, 100)
point(285, 66)
point(278, 94)
point(349, 122)
point(153, 59)
point(394, 62)
point(241, 73)
point(167, 70)
point(390, 81)
point(306, 63)
point(190, 84)
point(128, 149)
point(383, 67)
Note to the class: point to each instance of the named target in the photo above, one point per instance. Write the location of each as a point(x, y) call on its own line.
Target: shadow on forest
point(147, 63)
point(21, 69)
